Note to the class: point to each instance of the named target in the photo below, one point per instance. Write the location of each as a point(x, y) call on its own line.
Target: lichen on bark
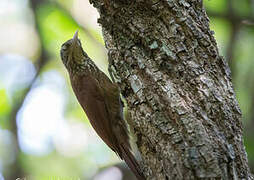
point(177, 86)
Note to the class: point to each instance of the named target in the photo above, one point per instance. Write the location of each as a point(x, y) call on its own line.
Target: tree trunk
point(178, 88)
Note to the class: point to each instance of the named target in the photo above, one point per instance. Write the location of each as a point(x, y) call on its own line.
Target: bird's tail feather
point(132, 163)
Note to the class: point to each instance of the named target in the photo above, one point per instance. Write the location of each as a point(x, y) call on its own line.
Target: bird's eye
point(65, 46)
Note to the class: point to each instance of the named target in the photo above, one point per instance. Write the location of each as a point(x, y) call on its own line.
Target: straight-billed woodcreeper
point(100, 99)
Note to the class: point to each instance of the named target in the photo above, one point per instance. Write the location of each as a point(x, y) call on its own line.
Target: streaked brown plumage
point(100, 99)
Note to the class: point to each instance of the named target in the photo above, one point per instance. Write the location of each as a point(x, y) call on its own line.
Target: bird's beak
point(75, 38)
point(73, 46)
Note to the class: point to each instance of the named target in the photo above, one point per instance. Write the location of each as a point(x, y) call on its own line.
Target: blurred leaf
point(249, 145)
point(52, 165)
point(5, 109)
point(242, 8)
point(97, 35)
point(65, 3)
point(244, 57)
point(4, 104)
point(245, 101)
point(78, 114)
point(244, 75)
point(222, 29)
point(55, 26)
point(218, 6)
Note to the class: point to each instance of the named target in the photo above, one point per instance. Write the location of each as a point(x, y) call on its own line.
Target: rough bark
point(177, 87)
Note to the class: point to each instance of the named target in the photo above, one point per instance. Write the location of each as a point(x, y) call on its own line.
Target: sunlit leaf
point(4, 103)
point(5, 109)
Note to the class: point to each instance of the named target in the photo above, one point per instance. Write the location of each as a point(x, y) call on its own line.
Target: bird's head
point(72, 53)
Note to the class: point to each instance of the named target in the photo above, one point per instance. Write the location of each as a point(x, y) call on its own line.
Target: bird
point(100, 99)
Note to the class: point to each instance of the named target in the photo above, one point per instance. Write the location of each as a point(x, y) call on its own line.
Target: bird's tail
point(132, 163)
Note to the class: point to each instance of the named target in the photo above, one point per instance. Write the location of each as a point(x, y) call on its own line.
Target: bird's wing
point(92, 99)
point(115, 107)
point(111, 95)
point(96, 100)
